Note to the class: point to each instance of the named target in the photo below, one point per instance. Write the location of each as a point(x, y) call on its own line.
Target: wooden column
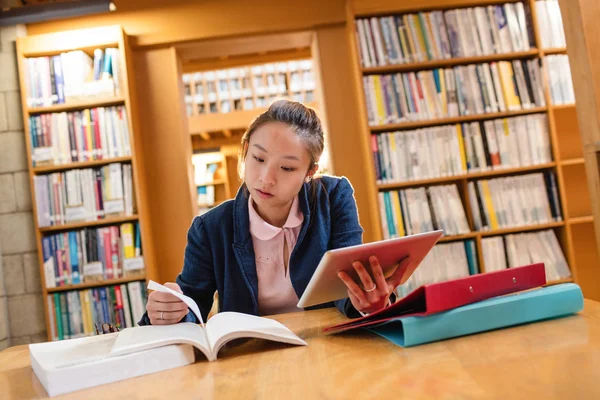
point(341, 95)
point(167, 157)
point(582, 30)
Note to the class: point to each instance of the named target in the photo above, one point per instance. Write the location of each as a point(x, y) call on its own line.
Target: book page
point(150, 336)
point(226, 326)
point(187, 300)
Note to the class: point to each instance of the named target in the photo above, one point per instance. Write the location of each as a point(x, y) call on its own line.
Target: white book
point(209, 338)
point(70, 365)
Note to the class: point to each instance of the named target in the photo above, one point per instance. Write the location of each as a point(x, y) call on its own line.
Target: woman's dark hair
point(302, 120)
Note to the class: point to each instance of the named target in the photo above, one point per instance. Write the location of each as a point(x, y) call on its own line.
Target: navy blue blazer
point(220, 255)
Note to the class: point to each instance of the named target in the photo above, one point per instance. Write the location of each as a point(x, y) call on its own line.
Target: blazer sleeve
point(345, 230)
point(197, 279)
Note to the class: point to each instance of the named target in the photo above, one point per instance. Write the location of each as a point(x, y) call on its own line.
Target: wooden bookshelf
point(449, 62)
point(472, 175)
point(87, 40)
point(106, 282)
point(80, 105)
point(88, 224)
point(575, 231)
point(78, 165)
point(455, 120)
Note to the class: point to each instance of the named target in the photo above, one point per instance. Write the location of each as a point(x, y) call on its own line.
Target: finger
point(396, 278)
point(364, 276)
point(171, 307)
point(352, 286)
point(377, 271)
point(164, 297)
point(359, 305)
point(173, 286)
point(167, 318)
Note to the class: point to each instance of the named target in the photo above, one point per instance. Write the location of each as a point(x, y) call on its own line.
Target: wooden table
point(557, 359)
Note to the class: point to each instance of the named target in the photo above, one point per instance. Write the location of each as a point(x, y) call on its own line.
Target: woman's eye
point(258, 159)
point(288, 169)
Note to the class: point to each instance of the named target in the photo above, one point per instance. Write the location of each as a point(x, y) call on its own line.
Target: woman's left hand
point(373, 296)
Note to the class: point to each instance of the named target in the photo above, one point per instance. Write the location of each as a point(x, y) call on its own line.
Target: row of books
point(444, 262)
point(436, 35)
point(206, 195)
point(248, 87)
point(550, 24)
point(514, 250)
point(86, 194)
point(560, 79)
point(92, 254)
point(450, 92)
point(453, 150)
point(411, 211)
point(91, 134)
point(72, 76)
point(514, 201)
point(76, 314)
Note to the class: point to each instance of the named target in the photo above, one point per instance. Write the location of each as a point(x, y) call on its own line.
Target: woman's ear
point(311, 172)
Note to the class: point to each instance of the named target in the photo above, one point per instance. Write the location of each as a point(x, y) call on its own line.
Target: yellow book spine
point(396, 205)
point(410, 39)
point(379, 99)
point(461, 145)
point(84, 313)
point(420, 37)
point(489, 204)
point(89, 142)
point(127, 240)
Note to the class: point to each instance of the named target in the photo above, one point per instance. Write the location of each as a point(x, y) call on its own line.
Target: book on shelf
point(91, 134)
point(462, 90)
point(438, 35)
point(87, 194)
point(412, 211)
point(75, 313)
point(92, 254)
point(509, 251)
point(245, 88)
point(72, 76)
point(560, 80)
point(490, 145)
point(550, 24)
point(513, 201)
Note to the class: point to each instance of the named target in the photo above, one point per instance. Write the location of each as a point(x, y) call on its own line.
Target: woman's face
point(276, 165)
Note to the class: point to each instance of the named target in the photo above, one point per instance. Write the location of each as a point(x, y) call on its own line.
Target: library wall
point(21, 306)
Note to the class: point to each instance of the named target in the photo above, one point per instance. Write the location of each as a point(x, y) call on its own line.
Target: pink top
point(275, 292)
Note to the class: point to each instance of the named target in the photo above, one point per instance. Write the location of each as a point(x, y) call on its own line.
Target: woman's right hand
point(164, 308)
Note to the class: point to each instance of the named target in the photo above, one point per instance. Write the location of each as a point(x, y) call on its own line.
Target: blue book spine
point(499, 312)
point(74, 257)
point(58, 78)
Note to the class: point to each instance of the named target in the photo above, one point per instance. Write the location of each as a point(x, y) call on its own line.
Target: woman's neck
point(275, 216)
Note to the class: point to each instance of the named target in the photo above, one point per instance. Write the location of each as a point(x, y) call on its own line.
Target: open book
point(208, 338)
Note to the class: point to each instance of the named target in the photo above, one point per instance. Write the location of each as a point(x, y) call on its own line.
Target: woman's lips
point(263, 195)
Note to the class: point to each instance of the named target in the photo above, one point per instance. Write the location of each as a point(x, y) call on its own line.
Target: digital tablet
point(326, 286)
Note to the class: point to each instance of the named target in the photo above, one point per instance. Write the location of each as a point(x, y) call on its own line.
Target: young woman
point(260, 250)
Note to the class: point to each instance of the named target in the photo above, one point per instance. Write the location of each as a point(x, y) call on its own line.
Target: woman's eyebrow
point(265, 150)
